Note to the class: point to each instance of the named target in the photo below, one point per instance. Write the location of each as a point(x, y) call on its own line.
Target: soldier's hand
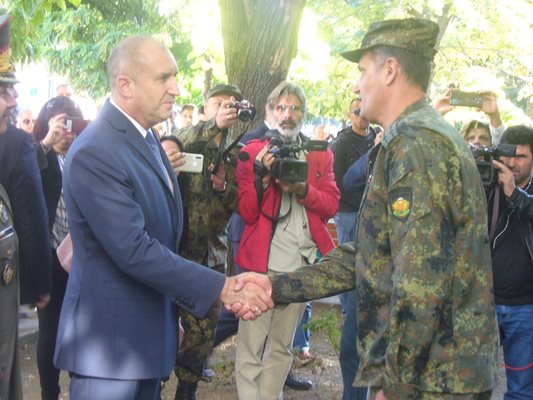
point(248, 301)
point(259, 279)
point(380, 396)
point(218, 179)
point(227, 114)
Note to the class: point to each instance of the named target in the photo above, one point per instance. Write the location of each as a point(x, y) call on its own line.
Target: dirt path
point(324, 372)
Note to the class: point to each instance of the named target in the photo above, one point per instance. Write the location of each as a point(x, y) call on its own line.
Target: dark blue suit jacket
point(119, 319)
point(20, 176)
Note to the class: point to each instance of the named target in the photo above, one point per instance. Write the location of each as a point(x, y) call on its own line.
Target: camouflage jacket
point(334, 274)
point(424, 285)
point(209, 211)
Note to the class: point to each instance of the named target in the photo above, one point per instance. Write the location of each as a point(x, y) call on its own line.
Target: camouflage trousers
point(440, 396)
point(197, 342)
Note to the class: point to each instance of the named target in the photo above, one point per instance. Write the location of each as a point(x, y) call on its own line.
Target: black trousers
point(48, 323)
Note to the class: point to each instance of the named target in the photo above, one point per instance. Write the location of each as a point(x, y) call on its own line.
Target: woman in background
point(59, 122)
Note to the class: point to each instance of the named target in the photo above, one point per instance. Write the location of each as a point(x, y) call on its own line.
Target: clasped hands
point(247, 295)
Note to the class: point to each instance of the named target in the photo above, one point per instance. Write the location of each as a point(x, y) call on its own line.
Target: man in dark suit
point(118, 326)
point(30, 265)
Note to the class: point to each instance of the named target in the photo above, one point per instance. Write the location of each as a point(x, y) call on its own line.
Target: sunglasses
point(27, 121)
point(356, 112)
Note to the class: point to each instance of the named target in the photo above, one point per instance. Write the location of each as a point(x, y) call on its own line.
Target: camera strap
point(495, 211)
point(220, 151)
point(223, 152)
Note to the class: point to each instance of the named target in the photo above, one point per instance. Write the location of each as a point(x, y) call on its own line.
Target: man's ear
point(125, 86)
point(391, 70)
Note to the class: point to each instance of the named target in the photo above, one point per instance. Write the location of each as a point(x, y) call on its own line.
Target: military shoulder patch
point(400, 203)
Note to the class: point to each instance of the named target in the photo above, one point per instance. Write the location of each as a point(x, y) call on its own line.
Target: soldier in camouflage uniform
point(427, 327)
point(210, 201)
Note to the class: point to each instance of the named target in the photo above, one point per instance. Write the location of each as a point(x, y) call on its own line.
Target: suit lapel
point(134, 139)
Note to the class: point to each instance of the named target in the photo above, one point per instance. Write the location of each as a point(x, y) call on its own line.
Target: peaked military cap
point(7, 69)
point(417, 35)
point(229, 90)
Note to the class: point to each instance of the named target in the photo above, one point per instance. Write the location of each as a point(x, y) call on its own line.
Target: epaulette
point(389, 136)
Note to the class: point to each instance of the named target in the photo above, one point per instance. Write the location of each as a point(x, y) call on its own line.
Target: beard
point(289, 129)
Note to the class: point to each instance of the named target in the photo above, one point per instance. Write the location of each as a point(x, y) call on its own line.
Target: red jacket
point(321, 204)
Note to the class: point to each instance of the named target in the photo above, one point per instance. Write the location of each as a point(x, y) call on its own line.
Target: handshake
point(247, 295)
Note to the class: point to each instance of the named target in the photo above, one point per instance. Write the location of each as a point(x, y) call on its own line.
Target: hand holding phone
point(75, 125)
point(466, 99)
point(193, 163)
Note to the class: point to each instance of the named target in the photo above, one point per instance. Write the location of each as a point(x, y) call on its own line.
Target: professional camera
point(245, 110)
point(484, 157)
point(287, 168)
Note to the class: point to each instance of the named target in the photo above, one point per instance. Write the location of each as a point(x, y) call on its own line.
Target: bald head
point(128, 57)
point(142, 75)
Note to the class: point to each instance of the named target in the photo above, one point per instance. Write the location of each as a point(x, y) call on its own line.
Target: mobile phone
point(466, 99)
point(193, 163)
point(75, 125)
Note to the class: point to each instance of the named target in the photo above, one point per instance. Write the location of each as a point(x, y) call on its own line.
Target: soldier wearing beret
point(25, 257)
point(427, 327)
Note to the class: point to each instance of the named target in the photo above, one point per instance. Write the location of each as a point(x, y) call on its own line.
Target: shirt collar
point(141, 130)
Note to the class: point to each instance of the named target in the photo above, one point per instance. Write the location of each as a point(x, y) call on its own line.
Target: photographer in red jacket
point(287, 193)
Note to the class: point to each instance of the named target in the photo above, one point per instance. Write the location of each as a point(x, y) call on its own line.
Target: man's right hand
point(227, 114)
point(246, 300)
point(505, 177)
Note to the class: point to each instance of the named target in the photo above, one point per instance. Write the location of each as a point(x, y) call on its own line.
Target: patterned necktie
point(150, 139)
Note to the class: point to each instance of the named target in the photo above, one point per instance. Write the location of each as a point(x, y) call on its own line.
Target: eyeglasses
point(27, 121)
point(294, 109)
point(356, 112)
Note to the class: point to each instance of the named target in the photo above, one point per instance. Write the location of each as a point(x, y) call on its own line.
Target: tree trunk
point(260, 40)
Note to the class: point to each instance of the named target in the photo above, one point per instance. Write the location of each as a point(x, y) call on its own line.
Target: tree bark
point(260, 40)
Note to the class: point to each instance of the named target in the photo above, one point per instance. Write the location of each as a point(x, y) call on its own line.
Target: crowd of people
point(434, 265)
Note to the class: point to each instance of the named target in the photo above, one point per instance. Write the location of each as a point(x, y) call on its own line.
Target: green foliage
point(75, 37)
point(329, 324)
point(486, 44)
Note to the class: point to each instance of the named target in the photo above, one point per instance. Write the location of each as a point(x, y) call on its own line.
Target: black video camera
point(287, 167)
point(484, 157)
point(245, 110)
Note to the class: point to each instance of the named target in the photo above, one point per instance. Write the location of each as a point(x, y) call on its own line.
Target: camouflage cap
point(417, 35)
point(223, 89)
point(7, 69)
